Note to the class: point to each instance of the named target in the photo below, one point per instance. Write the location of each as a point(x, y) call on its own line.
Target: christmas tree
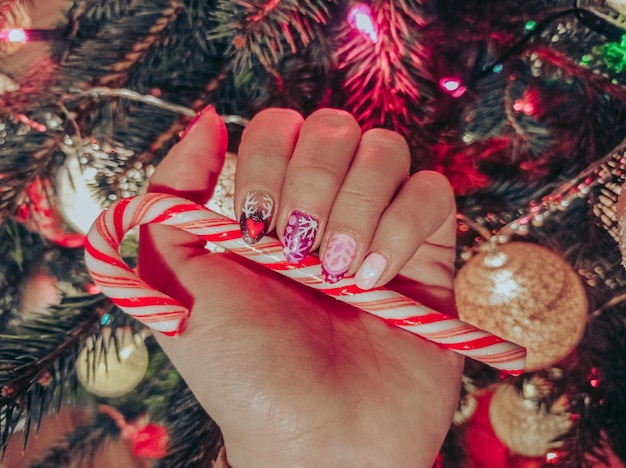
point(522, 105)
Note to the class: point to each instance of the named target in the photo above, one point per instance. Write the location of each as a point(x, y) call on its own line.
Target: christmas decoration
point(524, 425)
point(148, 440)
point(40, 213)
point(534, 148)
point(620, 215)
point(111, 366)
point(527, 294)
point(39, 293)
point(165, 314)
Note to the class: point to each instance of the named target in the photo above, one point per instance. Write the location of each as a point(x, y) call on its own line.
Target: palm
point(293, 377)
point(286, 364)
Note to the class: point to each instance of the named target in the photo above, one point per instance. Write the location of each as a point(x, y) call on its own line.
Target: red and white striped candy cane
point(168, 316)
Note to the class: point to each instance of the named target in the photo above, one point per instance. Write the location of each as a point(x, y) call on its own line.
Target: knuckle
point(383, 142)
point(334, 123)
point(359, 202)
point(277, 114)
point(435, 182)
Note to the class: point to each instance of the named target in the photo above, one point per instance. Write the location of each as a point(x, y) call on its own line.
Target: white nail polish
point(370, 271)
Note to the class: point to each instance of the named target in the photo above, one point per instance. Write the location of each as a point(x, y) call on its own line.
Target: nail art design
point(338, 257)
point(256, 216)
point(299, 236)
point(371, 270)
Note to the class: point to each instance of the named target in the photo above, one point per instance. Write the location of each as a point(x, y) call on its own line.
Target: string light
point(452, 86)
point(14, 35)
point(360, 18)
point(29, 35)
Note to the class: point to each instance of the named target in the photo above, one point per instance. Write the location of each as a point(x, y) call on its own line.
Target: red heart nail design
point(254, 227)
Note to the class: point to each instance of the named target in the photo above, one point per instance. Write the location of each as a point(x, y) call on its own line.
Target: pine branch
point(27, 153)
point(80, 446)
point(37, 361)
point(108, 38)
point(268, 30)
point(387, 82)
point(195, 439)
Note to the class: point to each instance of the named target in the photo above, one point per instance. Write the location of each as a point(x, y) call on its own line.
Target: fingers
point(421, 216)
point(322, 182)
point(265, 150)
point(379, 167)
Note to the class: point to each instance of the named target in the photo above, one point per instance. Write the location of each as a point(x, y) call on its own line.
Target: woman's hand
point(293, 377)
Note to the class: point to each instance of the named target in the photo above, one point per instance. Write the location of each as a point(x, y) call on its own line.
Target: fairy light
point(360, 18)
point(452, 86)
point(14, 35)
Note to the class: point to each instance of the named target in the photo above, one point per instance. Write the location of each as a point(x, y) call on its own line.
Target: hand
point(293, 377)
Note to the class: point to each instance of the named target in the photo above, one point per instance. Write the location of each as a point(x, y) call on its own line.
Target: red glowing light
point(360, 18)
point(14, 35)
point(527, 108)
point(552, 457)
point(453, 86)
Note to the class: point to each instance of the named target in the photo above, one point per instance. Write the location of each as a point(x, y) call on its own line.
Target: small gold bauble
point(620, 214)
point(107, 371)
point(524, 426)
point(526, 294)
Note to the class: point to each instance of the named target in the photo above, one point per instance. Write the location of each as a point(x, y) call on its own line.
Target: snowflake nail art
point(299, 236)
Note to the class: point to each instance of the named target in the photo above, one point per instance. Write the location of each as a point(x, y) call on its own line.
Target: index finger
point(190, 170)
point(192, 166)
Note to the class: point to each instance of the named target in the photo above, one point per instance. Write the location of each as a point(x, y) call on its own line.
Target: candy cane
point(168, 316)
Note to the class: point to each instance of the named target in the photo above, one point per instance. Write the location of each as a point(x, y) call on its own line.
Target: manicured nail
point(299, 236)
point(195, 119)
point(371, 269)
point(338, 257)
point(256, 216)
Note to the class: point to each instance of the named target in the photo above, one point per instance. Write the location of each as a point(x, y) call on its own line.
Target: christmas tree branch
point(387, 81)
point(267, 30)
point(37, 360)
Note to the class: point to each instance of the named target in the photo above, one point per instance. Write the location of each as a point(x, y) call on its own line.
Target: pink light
point(360, 18)
point(453, 86)
point(14, 35)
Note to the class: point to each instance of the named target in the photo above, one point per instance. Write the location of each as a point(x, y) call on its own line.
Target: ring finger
point(380, 166)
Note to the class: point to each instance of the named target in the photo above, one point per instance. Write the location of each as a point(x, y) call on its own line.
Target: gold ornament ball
point(620, 213)
point(524, 426)
point(527, 294)
point(109, 372)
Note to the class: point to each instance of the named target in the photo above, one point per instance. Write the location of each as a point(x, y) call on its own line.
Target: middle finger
point(322, 156)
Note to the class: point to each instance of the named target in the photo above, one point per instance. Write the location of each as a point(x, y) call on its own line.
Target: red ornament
point(41, 216)
point(150, 441)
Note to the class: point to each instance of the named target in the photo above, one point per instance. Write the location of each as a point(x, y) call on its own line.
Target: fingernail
point(338, 257)
point(299, 236)
point(371, 269)
point(256, 216)
point(195, 119)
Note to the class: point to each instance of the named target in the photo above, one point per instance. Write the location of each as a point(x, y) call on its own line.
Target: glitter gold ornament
point(522, 424)
point(107, 371)
point(621, 223)
point(527, 294)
